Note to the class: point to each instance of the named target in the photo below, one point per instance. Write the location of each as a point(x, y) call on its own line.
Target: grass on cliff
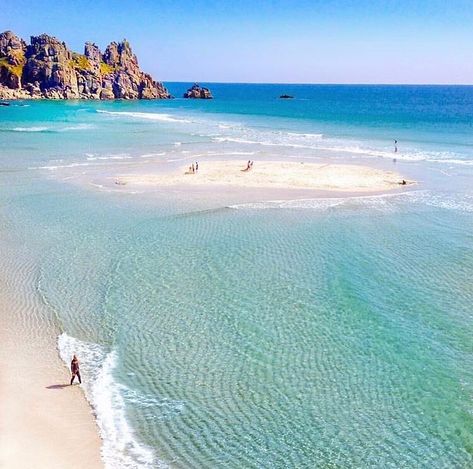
point(80, 62)
point(15, 69)
point(106, 69)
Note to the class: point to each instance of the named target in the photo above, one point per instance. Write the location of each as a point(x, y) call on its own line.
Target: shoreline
point(45, 422)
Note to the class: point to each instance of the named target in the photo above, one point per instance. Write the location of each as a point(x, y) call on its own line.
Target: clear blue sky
point(327, 41)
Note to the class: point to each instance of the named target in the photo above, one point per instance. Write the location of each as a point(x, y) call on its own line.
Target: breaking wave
point(384, 202)
point(45, 129)
point(120, 447)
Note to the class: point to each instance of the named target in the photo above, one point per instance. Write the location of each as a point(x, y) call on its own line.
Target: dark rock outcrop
point(48, 69)
point(286, 96)
point(198, 92)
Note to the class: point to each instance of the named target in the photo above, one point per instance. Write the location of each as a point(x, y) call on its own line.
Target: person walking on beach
point(196, 166)
point(395, 146)
point(75, 369)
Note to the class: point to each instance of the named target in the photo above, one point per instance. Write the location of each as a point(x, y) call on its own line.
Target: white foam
point(54, 167)
point(173, 160)
point(30, 129)
point(152, 155)
point(245, 153)
point(75, 127)
point(307, 135)
point(320, 142)
point(383, 202)
point(120, 447)
point(321, 204)
point(451, 201)
point(53, 129)
point(110, 157)
point(167, 408)
point(454, 161)
point(234, 140)
point(154, 116)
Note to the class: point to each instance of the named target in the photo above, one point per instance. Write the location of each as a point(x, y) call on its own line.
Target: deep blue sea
point(219, 329)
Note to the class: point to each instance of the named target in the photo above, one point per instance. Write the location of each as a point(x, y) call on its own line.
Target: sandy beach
point(44, 422)
point(273, 174)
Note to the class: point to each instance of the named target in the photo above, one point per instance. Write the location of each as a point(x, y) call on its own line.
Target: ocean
point(258, 333)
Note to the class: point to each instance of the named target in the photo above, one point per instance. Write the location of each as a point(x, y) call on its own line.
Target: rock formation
point(197, 92)
point(48, 69)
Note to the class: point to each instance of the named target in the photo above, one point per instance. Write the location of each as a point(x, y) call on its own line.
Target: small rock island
point(198, 92)
point(47, 69)
point(286, 96)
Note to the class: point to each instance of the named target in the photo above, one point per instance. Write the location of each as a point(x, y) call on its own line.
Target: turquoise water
point(217, 332)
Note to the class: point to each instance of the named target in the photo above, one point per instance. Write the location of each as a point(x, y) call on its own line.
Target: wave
point(76, 127)
point(320, 204)
point(54, 167)
point(462, 202)
point(306, 135)
point(30, 129)
point(242, 153)
point(454, 161)
point(259, 142)
point(152, 155)
point(45, 129)
point(408, 155)
point(91, 162)
point(91, 157)
point(238, 133)
point(337, 146)
point(154, 116)
point(120, 447)
point(384, 202)
point(319, 142)
point(234, 140)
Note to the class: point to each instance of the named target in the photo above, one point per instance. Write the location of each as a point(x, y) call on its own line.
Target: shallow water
point(283, 333)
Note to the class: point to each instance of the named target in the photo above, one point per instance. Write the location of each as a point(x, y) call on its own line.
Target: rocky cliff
point(48, 69)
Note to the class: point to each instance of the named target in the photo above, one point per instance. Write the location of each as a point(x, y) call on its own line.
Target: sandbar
point(273, 174)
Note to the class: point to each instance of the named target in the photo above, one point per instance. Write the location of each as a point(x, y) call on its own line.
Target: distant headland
point(47, 69)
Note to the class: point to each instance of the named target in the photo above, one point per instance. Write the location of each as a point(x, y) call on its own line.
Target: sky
point(278, 41)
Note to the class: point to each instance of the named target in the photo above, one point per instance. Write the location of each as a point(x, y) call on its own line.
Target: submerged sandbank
point(273, 174)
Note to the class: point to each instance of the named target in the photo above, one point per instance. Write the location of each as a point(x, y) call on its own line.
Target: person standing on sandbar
point(75, 369)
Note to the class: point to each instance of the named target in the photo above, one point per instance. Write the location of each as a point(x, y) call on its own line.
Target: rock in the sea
point(48, 69)
point(198, 92)
point(286, 96)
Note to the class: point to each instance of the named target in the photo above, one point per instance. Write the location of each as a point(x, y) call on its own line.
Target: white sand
point(275, 174)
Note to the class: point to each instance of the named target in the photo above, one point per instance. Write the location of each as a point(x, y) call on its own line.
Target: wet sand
point(44, 422)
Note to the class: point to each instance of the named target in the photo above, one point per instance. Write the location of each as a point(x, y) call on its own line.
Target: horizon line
point(316, 84)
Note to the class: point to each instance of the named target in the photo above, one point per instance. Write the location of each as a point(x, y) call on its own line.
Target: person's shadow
point(57, 386)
